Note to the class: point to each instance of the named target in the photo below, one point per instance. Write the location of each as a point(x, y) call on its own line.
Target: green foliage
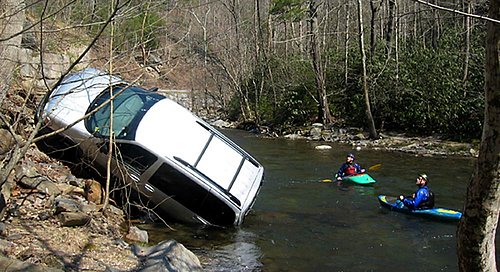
point(426, 95)
point(145, 29)
point(429, 96)
point(137, 26)
point(289, 101)
point(289, 10)
point(297, 104)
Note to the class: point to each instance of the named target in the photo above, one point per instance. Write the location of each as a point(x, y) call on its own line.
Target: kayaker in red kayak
point(349, 167)
point(423, 198)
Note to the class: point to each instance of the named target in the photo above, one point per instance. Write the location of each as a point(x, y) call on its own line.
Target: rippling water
point(301, 224)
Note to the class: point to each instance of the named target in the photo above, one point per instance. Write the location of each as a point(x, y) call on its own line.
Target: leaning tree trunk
point(477, 229)
point(369, 117)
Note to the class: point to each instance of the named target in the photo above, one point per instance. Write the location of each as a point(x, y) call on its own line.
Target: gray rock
point(11, 265)
point(116, 211)
point(89, 208)
point(315, 133)
point(29, 177)
point(221, 124)
point(6, 141)
point(6, 247)
point(73, 219)
point(137, 235)
point(64, 204)
point(167, 256)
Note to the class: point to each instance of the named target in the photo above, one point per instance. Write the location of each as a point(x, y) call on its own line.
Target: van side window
point(193, 196)
point(136, 156)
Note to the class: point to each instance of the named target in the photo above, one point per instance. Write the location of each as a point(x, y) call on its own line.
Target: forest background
point(289, 63)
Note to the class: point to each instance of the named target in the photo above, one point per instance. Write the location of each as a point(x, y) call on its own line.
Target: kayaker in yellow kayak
point(349, 167)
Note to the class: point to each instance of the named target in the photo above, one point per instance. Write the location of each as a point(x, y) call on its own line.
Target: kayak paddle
point(375, 167)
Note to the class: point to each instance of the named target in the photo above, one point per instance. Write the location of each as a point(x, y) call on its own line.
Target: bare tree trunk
point(337, 31)
point(369, 117)
point(260, 59)
point(111, 117)
point(477, 229)
point(467, 41)
point(396, 42)
point(143, 40)
point(415, 22)
point(203, 22)
point(435, 27)
point(389, 28)
point(236, 74)
point(323, 109)
point(346, 43)
point(373, 36)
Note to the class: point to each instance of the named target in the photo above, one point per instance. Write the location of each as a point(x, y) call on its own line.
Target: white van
point(178, 162)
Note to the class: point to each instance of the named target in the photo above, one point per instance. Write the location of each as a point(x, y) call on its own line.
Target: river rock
point(221, 124)
point(167, 256)
point(315, 133)
point(69, 189)
point(137, 235)
point(8, 264)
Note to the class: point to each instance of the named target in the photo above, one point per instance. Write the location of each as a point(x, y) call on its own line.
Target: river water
point(302, 224)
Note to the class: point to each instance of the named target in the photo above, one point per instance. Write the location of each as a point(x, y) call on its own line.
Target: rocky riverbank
point(50, 225)
point(436, 145)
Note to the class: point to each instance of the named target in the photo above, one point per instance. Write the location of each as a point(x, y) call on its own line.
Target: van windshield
point(129, 106)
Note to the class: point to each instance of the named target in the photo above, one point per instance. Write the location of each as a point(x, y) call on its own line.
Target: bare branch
point(457, 11)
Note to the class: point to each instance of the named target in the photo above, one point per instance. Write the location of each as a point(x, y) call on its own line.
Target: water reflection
point(240, 255)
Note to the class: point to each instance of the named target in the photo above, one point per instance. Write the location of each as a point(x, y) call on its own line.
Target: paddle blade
point(375, 167)
point(326, 180)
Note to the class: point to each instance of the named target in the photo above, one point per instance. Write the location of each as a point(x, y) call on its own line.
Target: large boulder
point(167, 256)
point(28, 176)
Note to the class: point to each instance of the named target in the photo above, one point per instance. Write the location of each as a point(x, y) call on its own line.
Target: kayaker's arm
point(340, 172)
point(414, 203)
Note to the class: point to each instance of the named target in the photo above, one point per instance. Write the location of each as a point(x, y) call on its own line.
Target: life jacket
point(350, 170)
point(429, 203)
